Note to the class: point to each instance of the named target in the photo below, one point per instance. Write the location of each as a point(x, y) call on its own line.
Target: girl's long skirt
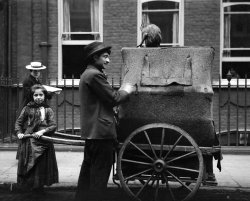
point(37, 164)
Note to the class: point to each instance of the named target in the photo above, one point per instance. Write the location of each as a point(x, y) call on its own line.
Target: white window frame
point(61, 42)
point(181, 21)
point(224, 81)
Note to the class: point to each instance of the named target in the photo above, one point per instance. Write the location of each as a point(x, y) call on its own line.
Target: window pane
point(80, 16)
point(154, 5)
point(237, 31)
point(236, 53)
point(237, 8)
point(80, 36)
point(72, 61)
point(236, 1)
point(236, 68)
point(240, 31)
point(165, 22)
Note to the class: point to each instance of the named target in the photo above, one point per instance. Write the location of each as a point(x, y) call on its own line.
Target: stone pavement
point(235, 168)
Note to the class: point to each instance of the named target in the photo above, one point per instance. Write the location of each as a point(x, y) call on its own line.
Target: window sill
point(242, 83)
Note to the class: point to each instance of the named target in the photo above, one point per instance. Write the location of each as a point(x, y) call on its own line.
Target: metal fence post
point(237, 114)
point(245, 133)
point(64, 103)
point(229, 77)
point(73, 105)
point(219, 108)
point(57, 106)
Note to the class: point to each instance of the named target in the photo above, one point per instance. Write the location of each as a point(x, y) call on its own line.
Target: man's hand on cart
point(128, 87)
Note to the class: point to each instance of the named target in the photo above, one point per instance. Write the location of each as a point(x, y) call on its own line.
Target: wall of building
point(53, 39)
point(202, 27)
point(24, 40)
point(26, 36)
point(3, 38)
point(120, 29)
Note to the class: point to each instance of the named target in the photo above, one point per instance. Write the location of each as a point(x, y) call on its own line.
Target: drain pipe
point(9, 38)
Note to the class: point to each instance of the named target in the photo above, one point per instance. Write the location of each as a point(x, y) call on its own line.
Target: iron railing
point(65, 106)
point(230, 109)
point(233, 106)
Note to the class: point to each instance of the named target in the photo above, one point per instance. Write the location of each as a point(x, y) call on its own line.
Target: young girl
point(37, 164)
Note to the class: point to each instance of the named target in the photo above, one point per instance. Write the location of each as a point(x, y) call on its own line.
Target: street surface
point(233, 180)
point(115, 194)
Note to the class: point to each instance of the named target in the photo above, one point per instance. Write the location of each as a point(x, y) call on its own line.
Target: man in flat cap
point(98, 129)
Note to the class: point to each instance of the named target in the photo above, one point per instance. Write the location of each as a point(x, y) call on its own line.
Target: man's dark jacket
point(97, 99)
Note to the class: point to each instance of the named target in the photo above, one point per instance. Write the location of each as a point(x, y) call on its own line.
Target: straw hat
point(35, 66)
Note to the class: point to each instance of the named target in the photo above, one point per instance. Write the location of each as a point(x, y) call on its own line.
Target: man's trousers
point(95, 170)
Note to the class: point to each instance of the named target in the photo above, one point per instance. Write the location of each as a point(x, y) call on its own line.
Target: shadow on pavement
point(116, 194)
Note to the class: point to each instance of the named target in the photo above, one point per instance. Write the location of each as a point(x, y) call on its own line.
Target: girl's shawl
point(34, 119)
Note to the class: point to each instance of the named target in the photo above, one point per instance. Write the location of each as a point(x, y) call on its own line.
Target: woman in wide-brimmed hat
point(33, 78)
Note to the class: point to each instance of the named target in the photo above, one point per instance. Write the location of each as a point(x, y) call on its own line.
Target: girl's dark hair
point(39, 86)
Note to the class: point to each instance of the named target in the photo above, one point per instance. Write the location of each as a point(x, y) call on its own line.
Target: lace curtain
point(66, 19)
point(176, 24)
point(145, 16)
point(227, 31)
point(94, 8)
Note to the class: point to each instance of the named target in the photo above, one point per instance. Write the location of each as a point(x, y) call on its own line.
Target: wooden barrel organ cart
point(166, 129)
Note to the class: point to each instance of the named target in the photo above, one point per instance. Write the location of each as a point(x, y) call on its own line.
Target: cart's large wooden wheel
point(160, 162)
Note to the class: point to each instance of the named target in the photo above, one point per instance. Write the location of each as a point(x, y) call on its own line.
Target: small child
point(37, 164)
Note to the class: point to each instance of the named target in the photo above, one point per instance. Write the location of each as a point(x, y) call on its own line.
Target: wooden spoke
point(150, 144)
point(181, 168)
point(146, 183)
point(169, 188)
point(137, 174)
point(162, 141)
point(137, 162)
point(153, 182)
point(172, 148)
point(157, 188)
point(141, 151)
point(180, 157)
point(177, 179)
